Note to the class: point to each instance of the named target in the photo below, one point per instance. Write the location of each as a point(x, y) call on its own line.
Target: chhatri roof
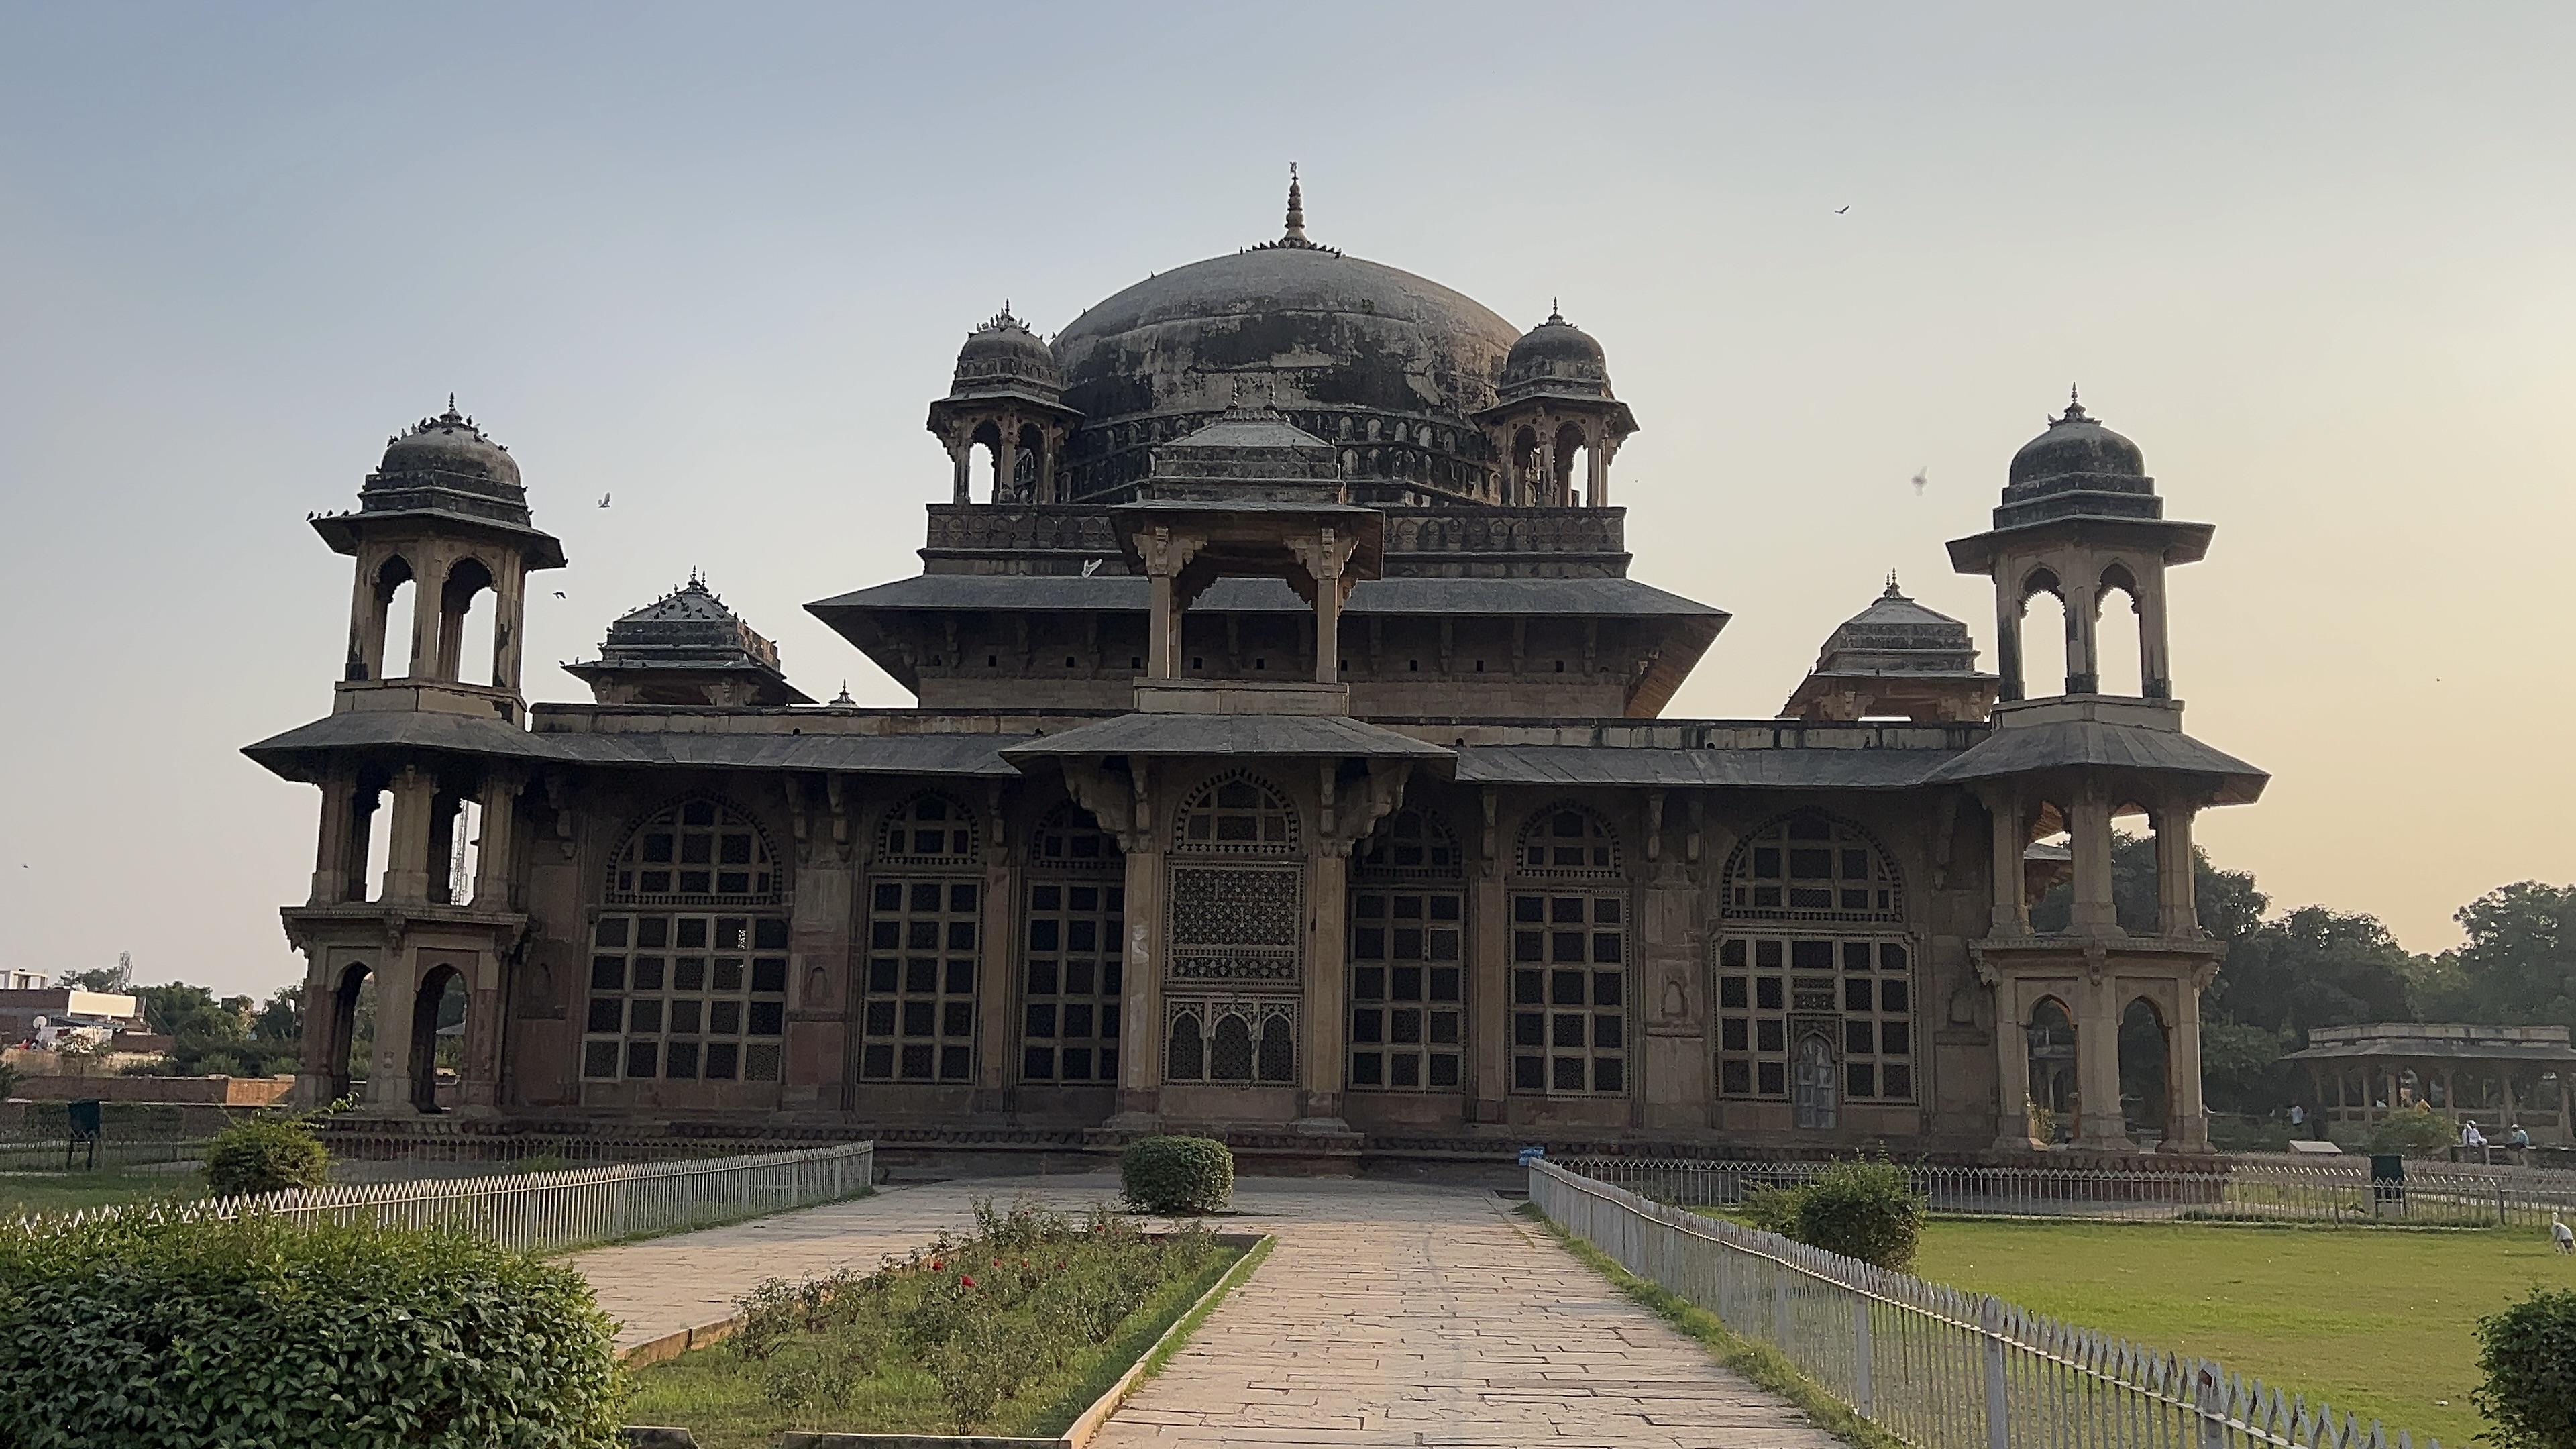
point(1896, 635)
point(688, 634)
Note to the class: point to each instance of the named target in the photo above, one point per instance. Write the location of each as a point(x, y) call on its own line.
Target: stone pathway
point(1388, 1314)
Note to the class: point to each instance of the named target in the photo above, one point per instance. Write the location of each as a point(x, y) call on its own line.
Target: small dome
point(1005, 354)
point(2076, 444)
point(445, 465)
point(1555, 356)
point(453, 450)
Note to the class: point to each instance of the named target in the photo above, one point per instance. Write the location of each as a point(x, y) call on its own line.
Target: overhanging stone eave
point(2180, 542)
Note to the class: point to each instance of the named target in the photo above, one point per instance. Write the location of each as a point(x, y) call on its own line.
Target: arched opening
point(2053, 1101)
point(376, 849)
point(437, 1034)
point(351, 1041)
point(984, 450)
point(1277, 1059)
point(397, 595)
point(1572, 468)
point(2145, 1096)
point(468, 578)
point(2046, 653)
point(2118, 637)
point(1186, 1058)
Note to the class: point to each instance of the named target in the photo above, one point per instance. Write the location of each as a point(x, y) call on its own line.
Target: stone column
point(2088, 831)
point(366, 622)
point(1489, 990)
point(1324, 557)
point(2012, 1071)
point(996, 985)
point(1140, 1032)
point(2177, 909)
point(1326, 1048)
point(407, 852)
point(961, 467)
point(1165, 555)
point(331, 848)
point(496, 862)
point(2083, 656)
point(2008, 614)
point(389, 1079)
point(1596, 474)
point(478, 1079)
point(2154, 667)
point(2187, 1122)
point(509, 611)
point(2097, 1064)
point(2010, 836)
point(429, 581)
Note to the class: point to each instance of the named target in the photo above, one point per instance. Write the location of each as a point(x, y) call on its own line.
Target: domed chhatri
point(1555, 357)
point(1003, 355)
point(446, 463)
point(2078, 468)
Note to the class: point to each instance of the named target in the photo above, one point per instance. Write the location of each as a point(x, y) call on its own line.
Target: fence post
point(1861, 1394)
point(1990, 1324)
point(1780, 1305)
point(2209, 1402)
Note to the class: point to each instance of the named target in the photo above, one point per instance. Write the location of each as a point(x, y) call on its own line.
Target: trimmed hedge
point(1177, 1175)
point(2529, 1354)
point(265, 1154)
point(142, 1328)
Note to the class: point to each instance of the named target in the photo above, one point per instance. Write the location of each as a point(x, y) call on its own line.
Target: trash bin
point(2387, 1185)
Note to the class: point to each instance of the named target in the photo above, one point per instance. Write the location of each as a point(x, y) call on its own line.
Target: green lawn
point(2376, 1321)
point(54, 1192)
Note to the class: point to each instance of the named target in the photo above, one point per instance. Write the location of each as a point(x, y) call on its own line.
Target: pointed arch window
point(1812, 867)
point(1237, 813)
point(695, 852)
point(1567, 842)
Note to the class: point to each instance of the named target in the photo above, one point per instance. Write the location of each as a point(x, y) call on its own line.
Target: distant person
point(2559, 1234)
point(2298, 1118)
point(2470, 1136)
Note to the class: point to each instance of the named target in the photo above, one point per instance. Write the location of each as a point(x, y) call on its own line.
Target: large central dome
point(1387, 366)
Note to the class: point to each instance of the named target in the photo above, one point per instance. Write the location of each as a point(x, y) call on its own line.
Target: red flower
point(965, 1280)
point(936, 1265)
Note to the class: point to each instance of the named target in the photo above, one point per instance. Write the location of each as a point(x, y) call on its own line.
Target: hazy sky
point(2315, 259)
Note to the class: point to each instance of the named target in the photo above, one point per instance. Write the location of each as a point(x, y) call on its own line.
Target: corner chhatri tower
point(1288, 763)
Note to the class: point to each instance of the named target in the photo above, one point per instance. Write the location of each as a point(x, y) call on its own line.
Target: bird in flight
point(1922, 480)
point(559, 593)
point(1839, 210)
point(603, 500)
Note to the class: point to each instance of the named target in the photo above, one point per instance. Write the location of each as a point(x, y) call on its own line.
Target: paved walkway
point(1388, 1314)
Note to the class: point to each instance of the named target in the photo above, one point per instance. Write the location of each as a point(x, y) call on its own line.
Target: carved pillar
point(2097, 1062)
point(1489, 985)
point(2186, 1123)
point(331, 847)
point(429, 581)
point(407, 853)
point(1327, 993)
point(2155, 669)
point(389, 1079)
point(478, 1078)
point(961, 458)
point(2012, 1070)
point(366, 621)
point(2088, 838)
point(1324, 557)
point(2177, 909)
point(996, 990)
point(496, 858)
point(2008, 615)
point(509, 608)
point(1165, 555)
point(2011, 835)
point(2083, 616)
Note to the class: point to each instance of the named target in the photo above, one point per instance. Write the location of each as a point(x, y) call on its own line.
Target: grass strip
point(1766, 1366)
point(1189, 1324)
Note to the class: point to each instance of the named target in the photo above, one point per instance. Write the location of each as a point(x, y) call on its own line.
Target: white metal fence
point(1935, 1366)
point(2435, 1193)
point(552, 1211)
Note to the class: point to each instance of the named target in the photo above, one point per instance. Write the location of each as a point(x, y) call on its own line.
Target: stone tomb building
point(1288, 762)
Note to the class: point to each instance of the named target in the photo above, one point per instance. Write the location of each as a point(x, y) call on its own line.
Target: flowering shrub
point(1022, 1297)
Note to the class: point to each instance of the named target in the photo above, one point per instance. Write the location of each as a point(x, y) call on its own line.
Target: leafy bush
point(1864, 1210)
point(8, 1081)
point(2414, 1130)
point(1177, 1175)
point(144, 1329)
point(265, 1154)
point(2529, 1354)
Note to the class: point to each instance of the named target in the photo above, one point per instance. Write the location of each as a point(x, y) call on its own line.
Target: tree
point(231, 1036)
point(2518, 966)
point(2314, 967)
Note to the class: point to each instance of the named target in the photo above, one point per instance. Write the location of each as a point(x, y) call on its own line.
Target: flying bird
point(559, 593)
point(1922, 479)
point(1839, 210)
point(603, 500)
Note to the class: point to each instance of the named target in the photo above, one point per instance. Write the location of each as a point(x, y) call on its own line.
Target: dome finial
point(1892, 592)
point(1296, 207)
point(1555, 313)
point(2074, 409)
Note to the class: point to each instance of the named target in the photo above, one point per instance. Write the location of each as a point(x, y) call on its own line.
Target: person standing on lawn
point(2561, 1235)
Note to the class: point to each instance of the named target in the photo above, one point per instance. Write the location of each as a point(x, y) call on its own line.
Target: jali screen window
point(918, 1020)
point(685, 997)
